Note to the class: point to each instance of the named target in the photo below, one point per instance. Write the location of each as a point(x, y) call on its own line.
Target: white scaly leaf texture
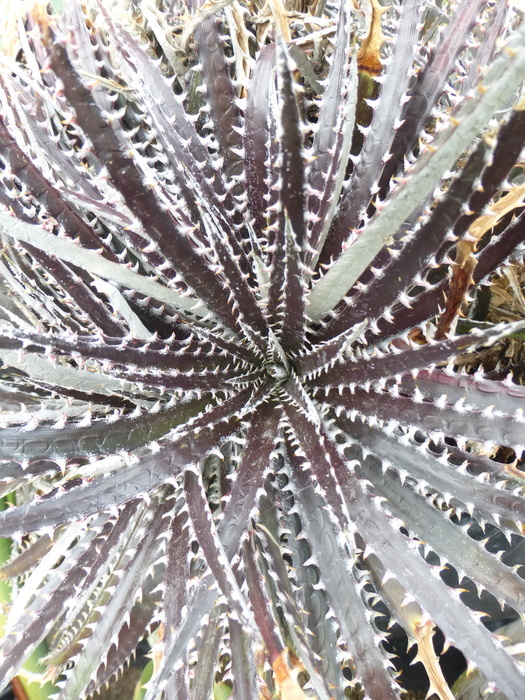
point(258, 412)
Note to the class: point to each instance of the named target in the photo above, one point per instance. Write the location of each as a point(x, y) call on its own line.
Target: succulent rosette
point(243, 247)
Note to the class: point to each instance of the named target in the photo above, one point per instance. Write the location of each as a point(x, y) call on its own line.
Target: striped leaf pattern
point(245, 414)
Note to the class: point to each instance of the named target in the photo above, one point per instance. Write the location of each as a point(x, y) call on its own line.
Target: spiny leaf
point(499, 84)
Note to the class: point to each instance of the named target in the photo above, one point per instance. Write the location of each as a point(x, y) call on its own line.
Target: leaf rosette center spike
point(278, 370)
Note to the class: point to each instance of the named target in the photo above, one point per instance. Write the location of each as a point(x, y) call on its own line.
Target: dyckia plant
point(243, 247)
